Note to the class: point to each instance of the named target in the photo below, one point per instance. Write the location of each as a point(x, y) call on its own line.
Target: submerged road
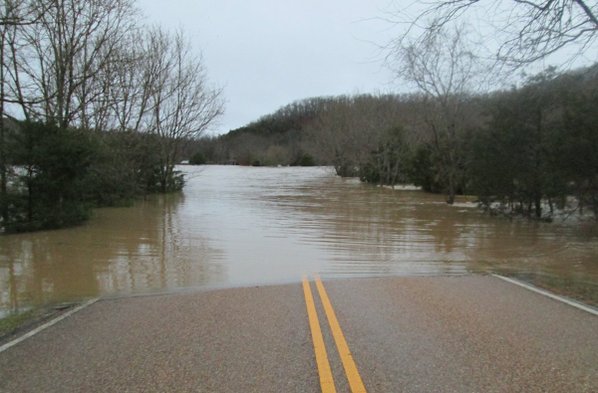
point(433, 334)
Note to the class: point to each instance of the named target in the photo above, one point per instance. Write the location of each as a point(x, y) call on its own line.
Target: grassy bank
point(19, 322)
point(10, 324)
point(583, 291)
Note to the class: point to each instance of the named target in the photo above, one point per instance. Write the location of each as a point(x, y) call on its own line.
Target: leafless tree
point(446, 72)
point(183, 105)
point(88, 64)
point(526, 30)
point(347, 130)
point(62, 54)
point(123, 86)
point(15, 15)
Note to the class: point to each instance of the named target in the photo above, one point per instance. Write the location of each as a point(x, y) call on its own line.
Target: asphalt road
point(440, 334)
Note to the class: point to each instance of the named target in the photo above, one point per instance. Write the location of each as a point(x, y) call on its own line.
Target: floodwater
point(240, 226)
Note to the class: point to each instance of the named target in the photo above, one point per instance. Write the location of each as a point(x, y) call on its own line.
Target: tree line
point(528, 150)
point(95, 108)
point(274, 139)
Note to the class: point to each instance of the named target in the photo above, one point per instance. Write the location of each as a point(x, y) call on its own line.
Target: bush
point(304, 160)
point(52, 190)
point(198, 159)
point(61, 174)
point(422, 171)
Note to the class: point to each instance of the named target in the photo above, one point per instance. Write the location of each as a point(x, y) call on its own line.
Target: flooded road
point(239, 226)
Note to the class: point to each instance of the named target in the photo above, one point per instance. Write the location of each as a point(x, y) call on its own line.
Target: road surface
point(411, 334)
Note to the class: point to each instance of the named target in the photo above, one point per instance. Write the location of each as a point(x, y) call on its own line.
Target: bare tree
point(62, 54)
point(526, 30)
point(87, 64)
point(182, 103)
point(15, 15)
point(348, 129)
point(123, 86)
point(446, 72)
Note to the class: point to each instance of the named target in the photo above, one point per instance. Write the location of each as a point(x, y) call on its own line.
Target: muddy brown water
point(238, 226)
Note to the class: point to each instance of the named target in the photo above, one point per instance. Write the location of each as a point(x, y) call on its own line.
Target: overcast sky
point(266, 53)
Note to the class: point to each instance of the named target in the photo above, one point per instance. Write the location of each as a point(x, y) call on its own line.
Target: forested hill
point(301, 133)
point(524, 149)
point(275, 139)
point(336, 129)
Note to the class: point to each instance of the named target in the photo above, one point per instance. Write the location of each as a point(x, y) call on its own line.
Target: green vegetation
point(107, 108)
point(389, 162)
point(95, 109)
point(10, 324)
point(29, 318)
point(583, 291)
point(197, 159)
point(57, 175)
point(50, 191)
point(538, 148)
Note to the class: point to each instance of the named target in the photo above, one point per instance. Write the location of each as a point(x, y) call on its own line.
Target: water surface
point(238, 226)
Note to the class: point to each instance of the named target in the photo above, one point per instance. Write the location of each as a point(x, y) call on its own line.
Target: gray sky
point(266, 53)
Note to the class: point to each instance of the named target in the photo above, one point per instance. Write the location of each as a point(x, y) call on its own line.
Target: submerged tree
point(348, 129)
point(539, 147)
point(182, 103)
point(511, 159)
point(576, 145)
point(54, 189)
point(389, 162)
point(86, 69)
point(446, 72)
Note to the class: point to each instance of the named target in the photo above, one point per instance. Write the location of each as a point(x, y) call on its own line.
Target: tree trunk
point(3, 161)
point(450, 195)
point(538, 205)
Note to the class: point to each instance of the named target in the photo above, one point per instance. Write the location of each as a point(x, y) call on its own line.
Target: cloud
point(266, 54)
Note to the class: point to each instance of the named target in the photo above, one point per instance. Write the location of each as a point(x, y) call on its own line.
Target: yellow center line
point(326, 380)
point(353, 376)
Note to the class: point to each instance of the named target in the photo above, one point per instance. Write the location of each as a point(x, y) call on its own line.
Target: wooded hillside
point(524, 150)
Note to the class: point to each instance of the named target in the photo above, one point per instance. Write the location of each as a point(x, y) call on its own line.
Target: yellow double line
point(326, 379)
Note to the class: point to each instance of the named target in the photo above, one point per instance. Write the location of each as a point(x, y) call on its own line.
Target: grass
point(22, 321)
point(583, 291)
point(10, 324)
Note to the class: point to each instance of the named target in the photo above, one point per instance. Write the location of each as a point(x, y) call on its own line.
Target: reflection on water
point(242, 226)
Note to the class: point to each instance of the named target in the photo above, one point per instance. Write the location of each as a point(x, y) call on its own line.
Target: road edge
point(46, 325)
point(551, 295)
